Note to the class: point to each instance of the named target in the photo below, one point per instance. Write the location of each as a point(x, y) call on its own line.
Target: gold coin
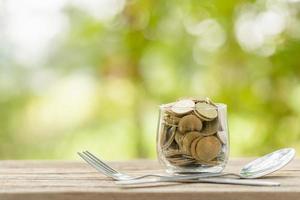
point(208, 100)
point(200, 116)
point(210, 127)
point(193, 148)
point(173, 119)
point(189, 123)
point(208, 111)
point(201, 100)
point(178, 138)
point(183, 106)
point(208, 148)
point(163, 134)
point(169, 137)
point(167, 119)
point(170, 120)
point(196, 100)
point(222, 136)
point(187, 141)
point(173, 152)
point(222, 120)
point(181, 161)
point(167, 107)
point(187, 156)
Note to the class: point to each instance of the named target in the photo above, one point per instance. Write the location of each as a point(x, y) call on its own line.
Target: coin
point(167, 109)
point(167, 119)
point(183, 106)
point(193, 148)
point(200, 116)
point(169, 137)
point(181, 161)
point(207, 111)
point(222, 136)
point(189, 123)
point(196, 100)
point(187, 141)
point(173, 152)
point(173, 119)
point(178, 138)
point(210, 127)
point(187, 156)
point(170, 120)
point(163, 134)
point(222, 120)
point(208, 148)
point(208, 100)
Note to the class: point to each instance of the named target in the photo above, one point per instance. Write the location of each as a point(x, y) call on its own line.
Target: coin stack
point(191, 133)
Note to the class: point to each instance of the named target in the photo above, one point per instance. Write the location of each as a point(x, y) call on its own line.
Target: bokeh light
point(77, 75)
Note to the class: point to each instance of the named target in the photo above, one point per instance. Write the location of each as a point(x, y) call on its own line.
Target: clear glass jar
point(192, 136)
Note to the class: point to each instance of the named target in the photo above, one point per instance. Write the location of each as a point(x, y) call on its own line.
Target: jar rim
point(169, 105)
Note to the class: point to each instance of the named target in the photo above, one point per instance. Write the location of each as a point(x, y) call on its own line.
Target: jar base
point(209, 169)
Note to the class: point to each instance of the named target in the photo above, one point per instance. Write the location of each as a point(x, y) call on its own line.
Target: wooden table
point(57, 180)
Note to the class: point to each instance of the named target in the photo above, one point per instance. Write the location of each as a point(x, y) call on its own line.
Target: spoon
point(268, 164)
point(255, 169)
point(264, 165)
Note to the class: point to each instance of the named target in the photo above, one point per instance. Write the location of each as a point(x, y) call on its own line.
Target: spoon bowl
point(268, 163)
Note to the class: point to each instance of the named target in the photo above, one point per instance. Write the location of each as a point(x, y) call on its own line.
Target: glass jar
point(192, 136)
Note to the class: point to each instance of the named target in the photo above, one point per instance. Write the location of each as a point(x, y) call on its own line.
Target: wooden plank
point(57, 180)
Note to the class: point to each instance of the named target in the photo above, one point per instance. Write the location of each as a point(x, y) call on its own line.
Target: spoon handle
point(232, 181)
point(200, 180)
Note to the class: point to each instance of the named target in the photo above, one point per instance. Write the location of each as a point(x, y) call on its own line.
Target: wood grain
point(57, 180)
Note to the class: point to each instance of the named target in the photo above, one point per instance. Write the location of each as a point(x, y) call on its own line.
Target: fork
point(125, 179)
point(105, 169)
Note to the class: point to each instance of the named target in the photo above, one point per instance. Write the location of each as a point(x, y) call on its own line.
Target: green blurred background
point(90, 74)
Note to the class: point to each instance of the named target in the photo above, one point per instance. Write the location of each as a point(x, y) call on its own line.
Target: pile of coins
point(191, 133)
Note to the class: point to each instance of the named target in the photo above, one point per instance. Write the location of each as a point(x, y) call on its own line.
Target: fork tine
point(95, 165)
point(96, 159)
point(100, 164)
